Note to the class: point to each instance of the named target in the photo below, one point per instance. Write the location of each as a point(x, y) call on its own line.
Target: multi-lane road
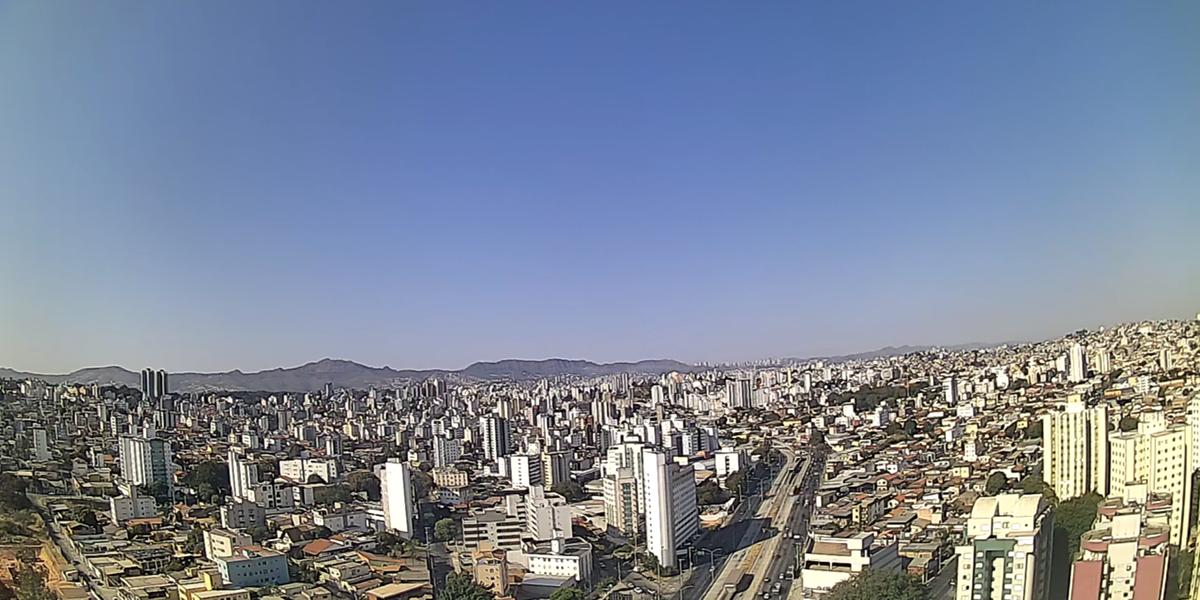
point(770, 544)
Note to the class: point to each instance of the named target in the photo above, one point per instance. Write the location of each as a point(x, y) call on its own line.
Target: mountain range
point(313, 376)
point(344, 373)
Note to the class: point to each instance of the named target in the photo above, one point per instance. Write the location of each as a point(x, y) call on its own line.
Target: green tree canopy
point(364, 481)
point(422, 483)
point(445, 529)
point(996, 483)
point(875, 584)
point(1128, 423)
point(568, 593)
point(570, 490)
point(462, 587)
point(208, 479)
point(1035, 485)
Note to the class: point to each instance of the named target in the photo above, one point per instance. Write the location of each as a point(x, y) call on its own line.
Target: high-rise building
point(396, 491)
point(146, 461)
point(446, 450)
point(547, 515)
point(672, 515)
point(622, 503)
point(739, 393)
point(1125, 555)
point(1103, 361)
point(495, 436)
point(1159, 455)
point(41, 444)
point(242, 473)
point(1007, 550)
point(154, 384)
point(1077, 364)
point(1075, 449)
point(950, 390)
point(556, 467)
point(525, 470)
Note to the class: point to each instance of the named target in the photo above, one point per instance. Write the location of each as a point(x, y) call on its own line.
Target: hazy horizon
point(219, 186)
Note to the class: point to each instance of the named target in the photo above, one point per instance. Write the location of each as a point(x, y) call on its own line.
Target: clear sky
point(217, 185)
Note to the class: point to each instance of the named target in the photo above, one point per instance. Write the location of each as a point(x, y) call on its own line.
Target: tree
point(445, 529)
point(462, 587)
point(568, 593)
point(570, 490)
point(710, 493)
point(422, 483)
point(1034, 431)
point(259, 533)
point(1128, 423)
point(996, 483)
point(874, 584)
point(1072, 519)
point(364, 481)
point(1035, 485)
point(208, 479)
point(735, 481)
point(650, 562)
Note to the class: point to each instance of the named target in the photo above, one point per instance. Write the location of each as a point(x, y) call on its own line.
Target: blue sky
point(219, 185)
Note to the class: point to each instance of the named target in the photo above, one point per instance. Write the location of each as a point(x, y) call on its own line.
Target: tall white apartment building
point(146, 460)
point(672, 515)
point(242, 473)
point(1007, 554)
point(1159, 455)
point(41, 444)
point(395, 486)
point(1075, 449)
point(739, 393)
point(1077, 364)
point(525, 470)
point(495, 434)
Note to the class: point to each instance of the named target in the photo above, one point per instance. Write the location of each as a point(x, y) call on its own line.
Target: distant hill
point(344, 373)
point(890, 351)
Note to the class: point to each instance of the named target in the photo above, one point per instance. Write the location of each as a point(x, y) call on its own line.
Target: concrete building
point(739, 393)
point(146, 460)
point(242, 514)
point(41, 444)
point(832, 559)
point(622, 504)
point(446, 450)
point(562, 557)
point(556, 468)
point(547, 515)
point(1007, 554)
point(493, 528)
point(242, 473)
point(134, 506)
point(222, 542)
point(525, 470)
point(495, 436)
point(1075, 457)
point(395, 485)
point(730, 461)
point(1077, 370)
point(301, 469)
point(672, 515)
point(1159, 455)
point(1125, 556)
point(253, 566)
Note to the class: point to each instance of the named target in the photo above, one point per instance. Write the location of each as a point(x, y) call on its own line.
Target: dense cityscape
point(1063, 468)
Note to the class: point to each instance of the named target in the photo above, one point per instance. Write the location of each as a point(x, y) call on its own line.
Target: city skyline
point(889, 350)
point(432, 185)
